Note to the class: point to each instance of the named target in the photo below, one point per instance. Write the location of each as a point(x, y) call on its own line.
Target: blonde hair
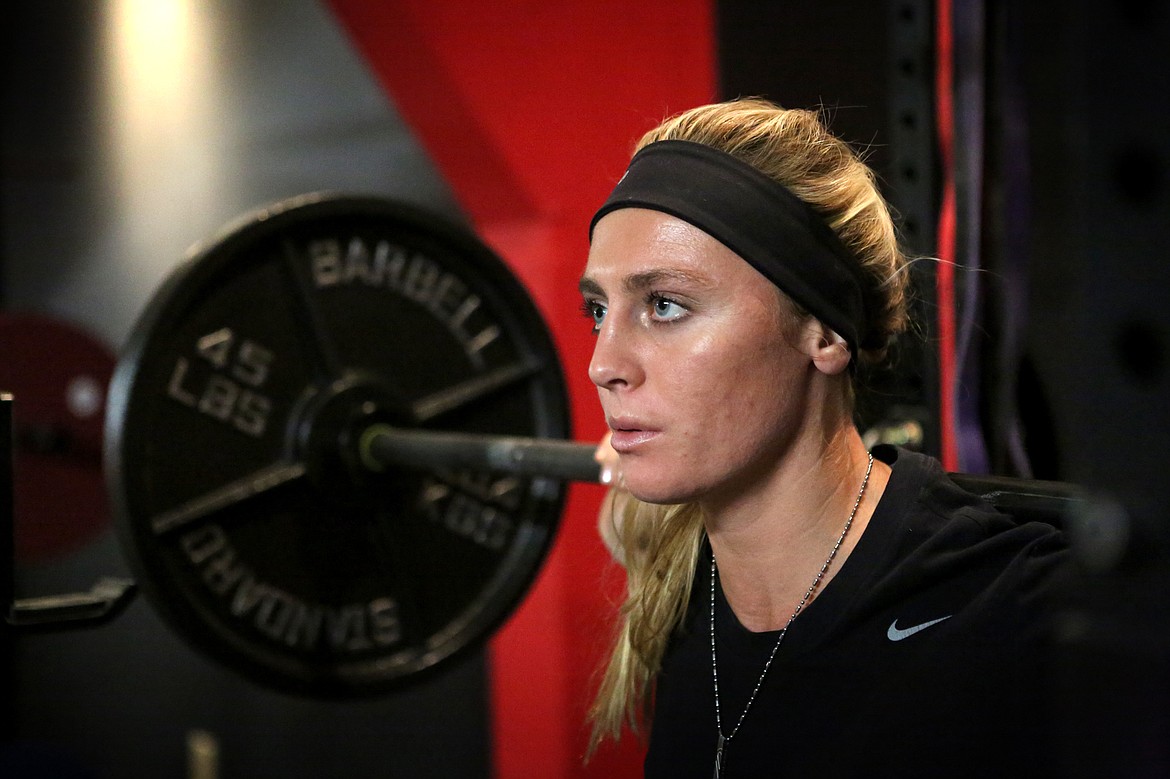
point(661, 544)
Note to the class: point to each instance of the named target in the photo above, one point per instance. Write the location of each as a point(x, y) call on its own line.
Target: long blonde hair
point(661, 544)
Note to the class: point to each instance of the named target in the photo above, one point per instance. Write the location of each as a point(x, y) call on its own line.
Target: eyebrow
point(639, 282)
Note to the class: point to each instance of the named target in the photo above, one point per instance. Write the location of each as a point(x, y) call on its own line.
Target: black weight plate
point(231, 416)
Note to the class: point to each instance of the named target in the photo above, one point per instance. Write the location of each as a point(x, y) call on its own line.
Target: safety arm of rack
point(103, 602)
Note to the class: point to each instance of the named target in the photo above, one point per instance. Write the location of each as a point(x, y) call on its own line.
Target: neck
point(770, 542)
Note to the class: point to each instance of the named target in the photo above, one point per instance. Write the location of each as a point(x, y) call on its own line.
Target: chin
point(661, 493)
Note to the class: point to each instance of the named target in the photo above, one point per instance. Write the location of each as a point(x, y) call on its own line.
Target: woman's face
point(696, 360)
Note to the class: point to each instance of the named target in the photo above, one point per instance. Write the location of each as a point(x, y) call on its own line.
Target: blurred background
point(1022, 147)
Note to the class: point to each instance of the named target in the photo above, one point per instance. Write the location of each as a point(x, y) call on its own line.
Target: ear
point(827, 350)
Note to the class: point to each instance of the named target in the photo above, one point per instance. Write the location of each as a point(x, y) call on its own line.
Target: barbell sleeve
point(382, 446)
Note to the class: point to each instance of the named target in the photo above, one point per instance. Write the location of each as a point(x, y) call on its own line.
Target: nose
point(614, 363)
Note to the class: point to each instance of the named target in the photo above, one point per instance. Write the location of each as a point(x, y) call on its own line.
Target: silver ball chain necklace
point(721, 745)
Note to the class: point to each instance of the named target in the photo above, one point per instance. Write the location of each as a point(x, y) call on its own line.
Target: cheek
point(726, 382)
point(750, 355)
point(774, 388)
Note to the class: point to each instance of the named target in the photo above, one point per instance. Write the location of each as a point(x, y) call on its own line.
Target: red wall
point(530, 109)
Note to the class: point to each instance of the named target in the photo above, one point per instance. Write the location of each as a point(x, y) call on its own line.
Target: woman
point(795, 603)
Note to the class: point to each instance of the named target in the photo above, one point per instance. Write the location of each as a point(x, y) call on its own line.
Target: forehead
point(638, 243)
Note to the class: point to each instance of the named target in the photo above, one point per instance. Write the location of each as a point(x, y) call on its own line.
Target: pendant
point(719, 755)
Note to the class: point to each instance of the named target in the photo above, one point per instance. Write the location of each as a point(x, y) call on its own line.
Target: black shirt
point(854, 689)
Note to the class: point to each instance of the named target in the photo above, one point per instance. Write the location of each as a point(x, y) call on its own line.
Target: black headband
point(757, 218)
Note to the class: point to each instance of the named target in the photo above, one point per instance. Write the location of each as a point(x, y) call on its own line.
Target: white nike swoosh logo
point(897, 634)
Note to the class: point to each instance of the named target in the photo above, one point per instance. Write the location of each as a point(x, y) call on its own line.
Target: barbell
point(233, 445)
point(336, 446)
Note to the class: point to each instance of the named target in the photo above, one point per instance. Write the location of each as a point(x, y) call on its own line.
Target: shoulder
point(921, 498)
point(941, 536)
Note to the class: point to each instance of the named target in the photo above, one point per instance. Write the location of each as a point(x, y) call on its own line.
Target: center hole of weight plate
point(327, 432)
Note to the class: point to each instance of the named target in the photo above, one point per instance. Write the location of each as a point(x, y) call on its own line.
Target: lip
point(626, 435)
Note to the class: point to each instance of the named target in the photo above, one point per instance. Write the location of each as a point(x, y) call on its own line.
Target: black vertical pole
point(7, 572)
point(912, 184)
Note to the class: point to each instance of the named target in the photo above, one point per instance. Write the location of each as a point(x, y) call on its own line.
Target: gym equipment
point(235, 410)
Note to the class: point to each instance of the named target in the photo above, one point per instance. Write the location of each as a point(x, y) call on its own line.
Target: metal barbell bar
point(382, 446)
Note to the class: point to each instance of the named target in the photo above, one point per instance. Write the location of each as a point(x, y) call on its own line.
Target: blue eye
point(665, 309)
point(595, 311)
